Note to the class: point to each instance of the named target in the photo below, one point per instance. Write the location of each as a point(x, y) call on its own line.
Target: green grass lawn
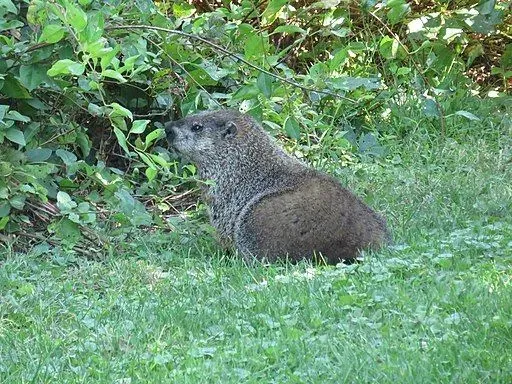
point(434, 308)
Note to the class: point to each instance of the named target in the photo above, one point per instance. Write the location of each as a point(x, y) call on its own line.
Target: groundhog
point(266, 203)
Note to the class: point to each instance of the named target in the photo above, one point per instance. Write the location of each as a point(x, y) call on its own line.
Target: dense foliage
point(86, 85)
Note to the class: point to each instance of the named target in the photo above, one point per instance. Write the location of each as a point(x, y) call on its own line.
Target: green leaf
point(4, 193)
point(17, 202)
point(52, 33)
point(182, 9)
point(215, 72)
point(451, 34)
point(146, 159)
point(485, 23)
point(37, 104)
point(113, 75)
point(388, 47)
point(16, 136)
point(96, 48)
point(83, 142)
point(290, 29)
point(119, 123)
point(6, 25)
point(4, 125)
point(3, 109)
point(200, 76)
point(66, 156)
point(146, 7)
point(403, 71)
point(31, 76)
point(119, 110)
point(108, 57)
point(159, 160)
point(506, 58)
point(151, 173)
point(8, 6)
point(129, 62)
point(398, 9)
point(291, 127)
point(75, 16)
point(340, 32)
point(94, 109)
point(5, 209)
point(430, 108)
point(348, 83)
point(12, 88)
point(84, 207)
point(369, 145)
point(416, 26)
point(74, 217)
point(318, 71)
point(27, 188)
point(16, 116)
point(139, 126)
point(38, 155)
point(64, 201)
point(326, 4)
point(468, 115)
point(486, 7)
point(265, 84)
point(68, 232)
point(270, 13)
point(152, 136)
point(134, 210)
point(246, 92)
point(65, 67)
point(254, 47)
point(95, 27)
point(3, 222)
point(121, 139)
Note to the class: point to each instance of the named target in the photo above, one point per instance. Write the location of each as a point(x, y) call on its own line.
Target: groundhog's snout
point(170, 132)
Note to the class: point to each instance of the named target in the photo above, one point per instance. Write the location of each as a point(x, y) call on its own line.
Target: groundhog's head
point(204, 134)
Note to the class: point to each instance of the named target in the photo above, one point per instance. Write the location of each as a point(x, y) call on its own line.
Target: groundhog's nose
point(169, 132)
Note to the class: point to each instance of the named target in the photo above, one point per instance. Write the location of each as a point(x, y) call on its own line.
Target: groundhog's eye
point(196, 127)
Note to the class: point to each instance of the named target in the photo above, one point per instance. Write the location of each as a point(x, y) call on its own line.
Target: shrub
point(85, 87)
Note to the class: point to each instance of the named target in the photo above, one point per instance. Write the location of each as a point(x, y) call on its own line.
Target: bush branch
point(418, 69)
point(232, 55)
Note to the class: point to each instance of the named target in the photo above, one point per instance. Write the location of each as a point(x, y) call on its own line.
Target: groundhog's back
point(317, 216)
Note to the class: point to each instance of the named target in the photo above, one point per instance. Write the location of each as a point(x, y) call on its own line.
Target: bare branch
point(232, 55)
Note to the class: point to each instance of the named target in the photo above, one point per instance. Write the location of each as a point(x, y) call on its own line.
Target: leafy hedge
point(85, 87)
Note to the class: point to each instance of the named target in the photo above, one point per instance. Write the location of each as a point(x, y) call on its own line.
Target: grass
point(434, 308)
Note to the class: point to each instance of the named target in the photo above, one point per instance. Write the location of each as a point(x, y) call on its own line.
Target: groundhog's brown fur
point(267, 203)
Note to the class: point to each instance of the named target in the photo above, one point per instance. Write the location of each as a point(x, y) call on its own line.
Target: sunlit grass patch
point(433, 307)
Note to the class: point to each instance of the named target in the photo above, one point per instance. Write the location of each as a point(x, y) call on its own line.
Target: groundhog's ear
point(230, 130)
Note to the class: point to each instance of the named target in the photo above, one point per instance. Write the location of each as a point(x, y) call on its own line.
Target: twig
point(184, 71)
point(57, 136)
point(81, 250)
point(128, 85)
point(232, 55)
point(67, 97)
point(45, 208)
point(181, 195)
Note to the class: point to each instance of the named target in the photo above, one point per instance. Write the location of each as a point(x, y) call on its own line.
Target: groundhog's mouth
point(171, 142)
point(175, 150)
